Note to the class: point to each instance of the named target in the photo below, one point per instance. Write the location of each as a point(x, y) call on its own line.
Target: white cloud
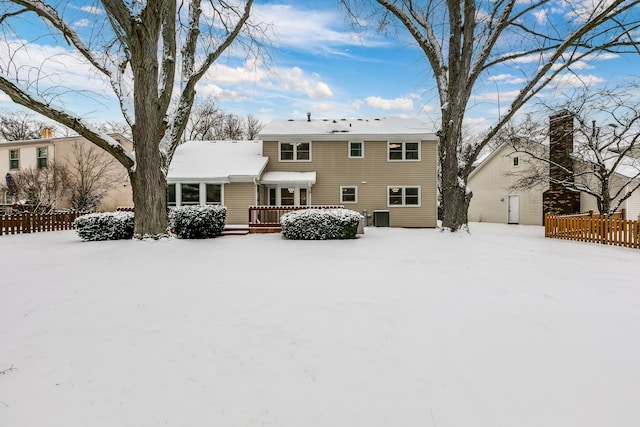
point(294, 79)
point(215, 91)
point(311, 29)
point(541, 16)
point(92, 10)
point(82, 23)
point(402, 103)
point(507, 78)
point(290, 80)
point(578, 80)
point(498, 96)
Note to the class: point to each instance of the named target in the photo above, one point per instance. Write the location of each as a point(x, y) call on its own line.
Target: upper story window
point(403, 196)
point(401, 151)
point(42, 157)
point(516, 161)
point(14, 159)
point(295, 151)
point(356, 150)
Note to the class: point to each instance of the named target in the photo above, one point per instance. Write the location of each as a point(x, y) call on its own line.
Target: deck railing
point(33, 223)
point(590, 227)
point(268, 217)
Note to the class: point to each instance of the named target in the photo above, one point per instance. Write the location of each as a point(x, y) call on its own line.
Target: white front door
point(514, 210)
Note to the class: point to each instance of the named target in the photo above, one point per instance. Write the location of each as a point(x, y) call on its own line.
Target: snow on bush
point(197, 222)
point(320, 224)
point(105, 226)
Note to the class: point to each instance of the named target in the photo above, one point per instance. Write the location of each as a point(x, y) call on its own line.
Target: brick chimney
point(558, 200)
point(46, 133)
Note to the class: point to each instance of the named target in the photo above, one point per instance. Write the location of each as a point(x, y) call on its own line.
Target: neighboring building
point(495, 198)
point(39, 153)
point(378, 166)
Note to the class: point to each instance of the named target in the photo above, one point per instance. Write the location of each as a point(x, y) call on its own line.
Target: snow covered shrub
point(197, 222)
point(105, 226)
point(320, 224)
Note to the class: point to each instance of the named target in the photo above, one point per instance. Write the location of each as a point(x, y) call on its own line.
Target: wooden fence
point(33, 223)
point(608, 230)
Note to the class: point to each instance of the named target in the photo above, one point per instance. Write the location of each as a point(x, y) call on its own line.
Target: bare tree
point(204, 122)
point(208, 122)
point(254, 126)
point(232, 127)
point(38, 190)
point(148, 51)
point(90, 175)
point(18, 126)
point(465, 42)
point(606, 134)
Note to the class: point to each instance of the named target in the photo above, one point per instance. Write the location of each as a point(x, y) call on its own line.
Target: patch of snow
point(499, 327)
point(217, 161)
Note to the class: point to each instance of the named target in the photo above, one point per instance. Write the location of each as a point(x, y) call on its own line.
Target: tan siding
point(371, 174)
point(238, 196)
point(120, 194)
point(61, 150)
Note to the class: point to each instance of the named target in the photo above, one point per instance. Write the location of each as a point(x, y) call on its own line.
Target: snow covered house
point(386, 167)
point(496, 198)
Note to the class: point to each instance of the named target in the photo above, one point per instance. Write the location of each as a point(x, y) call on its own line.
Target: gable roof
point(350, 128)
point(217, 161)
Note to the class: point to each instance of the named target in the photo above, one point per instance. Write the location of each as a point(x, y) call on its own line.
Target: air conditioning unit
point(380, 218)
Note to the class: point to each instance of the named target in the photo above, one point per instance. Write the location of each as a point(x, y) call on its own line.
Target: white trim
point(404, 150)
point(202, 192)
point(404, 196)
point(361, 156)
point(348, 186)
point(295, 151)
point(17, 150)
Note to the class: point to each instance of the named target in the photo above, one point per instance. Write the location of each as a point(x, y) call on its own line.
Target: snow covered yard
point(398, 328)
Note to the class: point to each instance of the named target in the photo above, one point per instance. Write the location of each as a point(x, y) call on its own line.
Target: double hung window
point(403, 196)
point(404, 151)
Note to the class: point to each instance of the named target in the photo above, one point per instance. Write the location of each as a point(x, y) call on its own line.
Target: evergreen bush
point(105, 226)
point(197, 222)
point(320, 224)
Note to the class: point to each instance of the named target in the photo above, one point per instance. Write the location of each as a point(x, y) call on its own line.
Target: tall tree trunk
point(147, 179)
point(455, 195)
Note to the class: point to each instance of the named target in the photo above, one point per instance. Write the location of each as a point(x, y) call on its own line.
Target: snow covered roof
point(217, 161)
point(352, 127)
point(289, 178)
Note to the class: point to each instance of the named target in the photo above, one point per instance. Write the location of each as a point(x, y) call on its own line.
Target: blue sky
point(316, 64)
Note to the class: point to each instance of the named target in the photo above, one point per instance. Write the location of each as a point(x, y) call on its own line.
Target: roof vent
point(308, 117)
point(290, 120)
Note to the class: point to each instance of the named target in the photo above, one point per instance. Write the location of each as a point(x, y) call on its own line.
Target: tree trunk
point(455, 196)
point(148, 182)
point(149, 189)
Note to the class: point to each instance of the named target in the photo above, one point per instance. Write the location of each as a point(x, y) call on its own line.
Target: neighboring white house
point(495, 200)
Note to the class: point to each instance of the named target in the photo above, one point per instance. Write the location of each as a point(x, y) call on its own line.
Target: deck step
point(235, 231)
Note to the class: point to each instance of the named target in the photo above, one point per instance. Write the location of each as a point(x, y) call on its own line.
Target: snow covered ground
point(397, 328)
